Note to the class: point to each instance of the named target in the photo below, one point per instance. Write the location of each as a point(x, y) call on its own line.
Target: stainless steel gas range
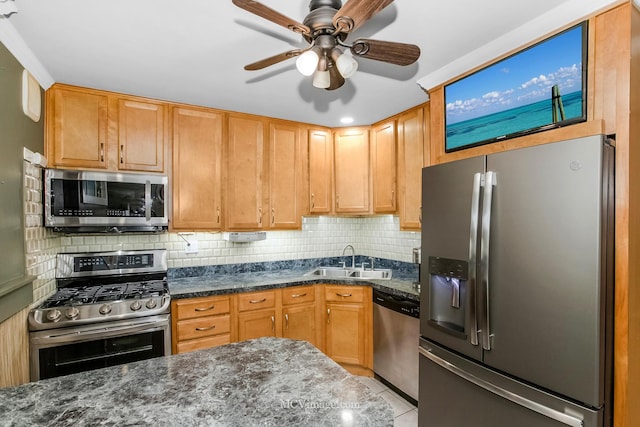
point(110, 308)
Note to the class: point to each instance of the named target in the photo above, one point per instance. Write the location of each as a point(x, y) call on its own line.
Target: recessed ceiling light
point(346, 120)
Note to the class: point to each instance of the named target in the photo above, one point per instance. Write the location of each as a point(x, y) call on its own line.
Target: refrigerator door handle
point(505, 394)
point(473, 246)
point(485, 233)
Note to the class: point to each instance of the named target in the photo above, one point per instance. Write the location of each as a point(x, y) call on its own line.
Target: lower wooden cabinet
point(256, 315)
point(336, 319)
point(349, 327)
point(200, 323)
point(301, 315)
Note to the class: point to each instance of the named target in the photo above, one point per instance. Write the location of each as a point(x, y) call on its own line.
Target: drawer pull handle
point(343, 295)
point(205, 308)
point(206, 329)
point(298, 295)
point(257, 301)
point(328, 315)
point(273, 324)
point(286, 321)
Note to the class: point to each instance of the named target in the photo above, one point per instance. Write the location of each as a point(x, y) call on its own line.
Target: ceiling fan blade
point(272, 15)
point(356, 12)
point(392, 52)
point(264, 63)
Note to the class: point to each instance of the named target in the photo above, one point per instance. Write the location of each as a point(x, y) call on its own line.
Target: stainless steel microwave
point(86, 201)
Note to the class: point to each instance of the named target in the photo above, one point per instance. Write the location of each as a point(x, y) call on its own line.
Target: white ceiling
point(193, 51)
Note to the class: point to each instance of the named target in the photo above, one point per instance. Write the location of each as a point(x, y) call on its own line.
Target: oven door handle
point(101, 332)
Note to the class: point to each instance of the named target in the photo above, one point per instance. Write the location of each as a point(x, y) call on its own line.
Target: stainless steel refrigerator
point(517, 288)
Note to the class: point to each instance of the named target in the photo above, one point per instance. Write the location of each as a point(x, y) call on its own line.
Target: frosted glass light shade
point(307, 62)
point(321, 79)
point(347, 66)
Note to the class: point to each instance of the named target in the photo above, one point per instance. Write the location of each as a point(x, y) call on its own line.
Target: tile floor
point(406, 415)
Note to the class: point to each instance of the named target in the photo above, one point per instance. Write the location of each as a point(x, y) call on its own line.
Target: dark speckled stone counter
point(263, 382)
point(228, 283)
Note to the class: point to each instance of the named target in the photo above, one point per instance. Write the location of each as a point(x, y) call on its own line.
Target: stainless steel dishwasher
point(396, 333)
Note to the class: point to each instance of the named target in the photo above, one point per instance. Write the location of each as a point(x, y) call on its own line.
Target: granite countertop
point(219, 284)
point(262, 382)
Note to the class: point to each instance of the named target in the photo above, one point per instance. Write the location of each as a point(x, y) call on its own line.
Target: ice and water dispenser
point(447, 294)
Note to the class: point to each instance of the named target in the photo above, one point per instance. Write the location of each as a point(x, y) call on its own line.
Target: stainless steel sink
point(372, 274)
point(330, 272)
point(351, 273)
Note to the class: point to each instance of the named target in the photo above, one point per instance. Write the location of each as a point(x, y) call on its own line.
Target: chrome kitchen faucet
point(353, 255)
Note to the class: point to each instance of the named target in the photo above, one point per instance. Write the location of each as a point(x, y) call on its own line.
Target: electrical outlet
point(191, 245)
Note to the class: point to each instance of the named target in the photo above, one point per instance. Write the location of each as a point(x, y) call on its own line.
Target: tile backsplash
point(320, 237)
point(41, 244)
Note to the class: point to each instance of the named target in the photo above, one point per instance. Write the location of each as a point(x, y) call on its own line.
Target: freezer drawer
point(456, 392)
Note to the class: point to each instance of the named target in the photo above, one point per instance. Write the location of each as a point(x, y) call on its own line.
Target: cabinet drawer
point(344, 293)
point(297, 295)
point(200, 307)
point(256, 300)
point(203, 327)
point(201, 343)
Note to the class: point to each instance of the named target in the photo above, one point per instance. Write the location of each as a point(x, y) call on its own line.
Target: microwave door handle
point(489, 183)
point(473, 245)
point(147, 200)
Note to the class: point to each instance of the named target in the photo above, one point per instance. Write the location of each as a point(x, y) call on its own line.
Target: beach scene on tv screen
point(515, 94)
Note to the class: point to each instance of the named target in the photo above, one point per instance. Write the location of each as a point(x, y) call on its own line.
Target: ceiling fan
point(326, 28)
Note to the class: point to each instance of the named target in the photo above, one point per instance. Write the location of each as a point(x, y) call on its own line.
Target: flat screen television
point(541, 87)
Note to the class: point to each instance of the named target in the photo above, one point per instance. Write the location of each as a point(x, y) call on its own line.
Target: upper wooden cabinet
point(140, 135)
point(320, 144)
point(351, 165)
point(410, 163)
point(383, 167)
point(91, 129)
point(197, 169)
point(77, 128)
point(245, 173)
point(286, 172)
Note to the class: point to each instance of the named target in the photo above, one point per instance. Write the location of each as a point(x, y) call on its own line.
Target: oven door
point(57, 352)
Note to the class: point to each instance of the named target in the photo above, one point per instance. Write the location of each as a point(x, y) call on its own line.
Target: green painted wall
point(16, 131)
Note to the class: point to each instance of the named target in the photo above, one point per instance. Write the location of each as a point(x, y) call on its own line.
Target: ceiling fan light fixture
point(322, 77)
point(307, 63)
point(347, 66)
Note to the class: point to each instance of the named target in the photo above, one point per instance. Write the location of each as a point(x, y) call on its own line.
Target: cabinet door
point(345, 334)
point(285, 176)
point(256, 324)
point(299, 323)
point(410, 155)
point(197, 163)
point(383, 167)
point(78, 131)
point(245, 173)
point(351, 148)
point(320, 171)
point(140, 135)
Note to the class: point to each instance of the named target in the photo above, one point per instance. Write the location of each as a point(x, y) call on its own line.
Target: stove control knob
point(135, 306)
point(105, 309)
point(151, 304)
point(72, 313)
point(54, 315)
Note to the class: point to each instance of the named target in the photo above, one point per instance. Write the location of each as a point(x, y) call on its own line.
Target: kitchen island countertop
point(262, 382)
